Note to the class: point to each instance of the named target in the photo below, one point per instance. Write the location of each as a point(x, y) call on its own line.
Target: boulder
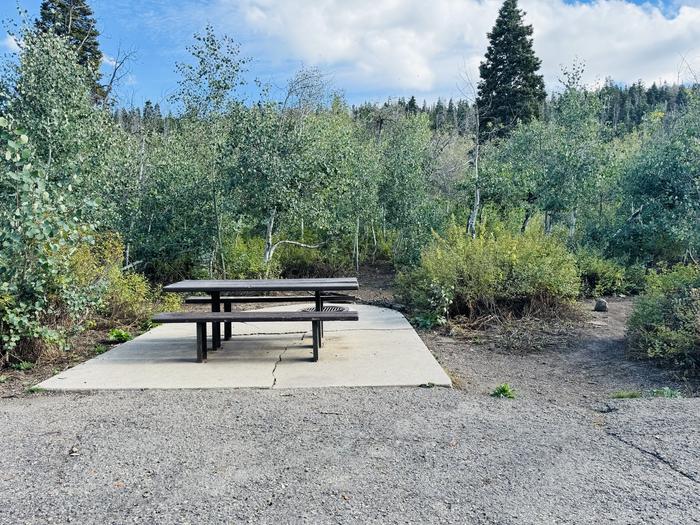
point(601, 305)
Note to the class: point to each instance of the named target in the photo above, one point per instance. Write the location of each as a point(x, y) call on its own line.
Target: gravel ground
point(346, 456)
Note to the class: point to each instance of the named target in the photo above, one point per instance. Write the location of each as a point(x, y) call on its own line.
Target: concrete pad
point(381, 349)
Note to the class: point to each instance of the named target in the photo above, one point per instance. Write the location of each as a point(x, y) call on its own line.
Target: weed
point(4, 379)
point(117, 335)
point(100, 349)
point(626, 394)
point(35, 390)
point(504, 390)
point(23, 365)
point(668, 392)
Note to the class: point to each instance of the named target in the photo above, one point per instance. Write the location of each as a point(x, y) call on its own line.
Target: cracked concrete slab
point(381, 349)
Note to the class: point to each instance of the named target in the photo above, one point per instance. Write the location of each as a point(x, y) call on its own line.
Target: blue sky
point(374, 49)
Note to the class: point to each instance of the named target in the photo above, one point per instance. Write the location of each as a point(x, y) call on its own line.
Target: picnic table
point(318, 290)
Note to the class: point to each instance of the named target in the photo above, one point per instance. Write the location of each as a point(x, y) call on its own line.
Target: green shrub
point(503, 391)
point(327, 261)
point(635, 279)
point(626, 394)
point(244, 259)
point(118, 335)
point(665, 322)
point(495, 271)
point(23, 365)
point(128, 296)
point(600, 276)
point(667, 392)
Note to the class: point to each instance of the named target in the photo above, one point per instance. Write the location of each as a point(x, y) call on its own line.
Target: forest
point(511, 199)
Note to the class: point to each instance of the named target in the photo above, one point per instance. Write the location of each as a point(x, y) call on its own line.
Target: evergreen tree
point(412, 106)
point(438, 114)
point(451, 115)
point(74, 19)
point(510, 89)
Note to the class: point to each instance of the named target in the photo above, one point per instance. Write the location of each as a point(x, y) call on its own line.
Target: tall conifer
point(74, 19)
point(510, 89)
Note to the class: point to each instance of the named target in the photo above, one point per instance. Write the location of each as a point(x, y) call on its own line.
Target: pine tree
point(74, 19)
point(412, 107)
point(510, 89)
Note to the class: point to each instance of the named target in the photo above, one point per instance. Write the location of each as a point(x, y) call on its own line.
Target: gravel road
point(346, 456)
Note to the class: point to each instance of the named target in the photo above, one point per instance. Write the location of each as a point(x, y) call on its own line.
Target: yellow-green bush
point(125, 297)
point(600, 276)
point(244, 259)
point(665, 322)
point(496, 271)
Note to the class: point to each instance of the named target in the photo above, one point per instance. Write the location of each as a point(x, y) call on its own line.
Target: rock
point(601, 305)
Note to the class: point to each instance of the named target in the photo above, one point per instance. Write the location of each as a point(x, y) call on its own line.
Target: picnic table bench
point(322, 290)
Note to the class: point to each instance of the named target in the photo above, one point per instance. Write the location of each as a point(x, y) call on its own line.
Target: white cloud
point(413, 46)
point(108, 60)
point(10, 43)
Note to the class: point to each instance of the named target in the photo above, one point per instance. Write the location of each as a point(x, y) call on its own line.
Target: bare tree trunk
point(269, 250)
point(547, 223)
point(270, 247)
point(357, 246)
point(572, 224)
point(217, 216)
point(526, 221)
point(471, 227)
point(374, 241)
point(142, 162)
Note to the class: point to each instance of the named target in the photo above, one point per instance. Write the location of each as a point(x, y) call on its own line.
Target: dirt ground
point(581, 360)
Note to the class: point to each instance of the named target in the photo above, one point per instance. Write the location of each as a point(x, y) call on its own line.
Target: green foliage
point(496, 270)
point(38, 232)
point(665, 322)
point(23, 365)
point(118, 335)
point(600, 276)
point(666, 392)
point(503, 391)
point(73, 19)
point(626, 394)
point(245, 258)
point(510, 90)
point(660, 183)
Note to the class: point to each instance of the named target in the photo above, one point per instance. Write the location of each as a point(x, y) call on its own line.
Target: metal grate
point(325, 309)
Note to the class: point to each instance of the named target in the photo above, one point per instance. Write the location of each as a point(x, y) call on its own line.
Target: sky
point(376, 49)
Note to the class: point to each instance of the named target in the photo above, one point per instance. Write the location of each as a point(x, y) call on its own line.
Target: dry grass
point(539, 329)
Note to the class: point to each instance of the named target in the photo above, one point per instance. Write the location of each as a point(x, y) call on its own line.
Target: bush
point(117, 335)
point(665, 322)
point(503, 391)
point(128, 296)
point(244, 259)
point(496, 271)
point(299, 262)
point(600, 276)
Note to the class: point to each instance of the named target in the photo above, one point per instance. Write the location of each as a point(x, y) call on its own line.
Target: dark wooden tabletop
point(264, 285)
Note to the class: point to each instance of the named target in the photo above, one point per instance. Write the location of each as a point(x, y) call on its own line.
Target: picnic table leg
point(319, 308)
point(201, 342)
point(227, 324)
point(316, 337)
point(216, 327)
